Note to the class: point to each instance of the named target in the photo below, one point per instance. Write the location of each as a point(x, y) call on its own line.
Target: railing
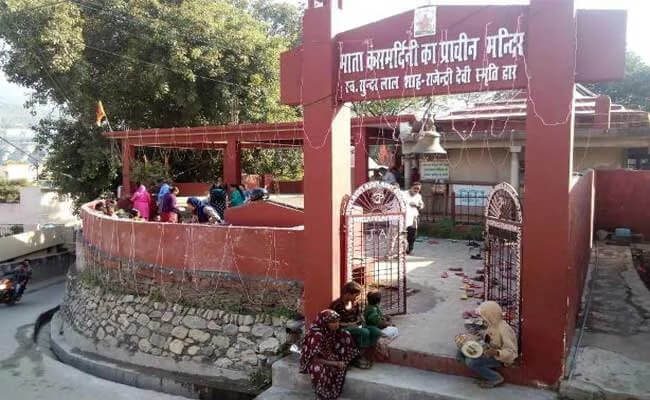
point(11, 229)
point(461, 208)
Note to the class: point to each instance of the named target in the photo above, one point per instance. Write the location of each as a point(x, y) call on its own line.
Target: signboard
point(434, 171)
point(472, 195)
point(434, 50)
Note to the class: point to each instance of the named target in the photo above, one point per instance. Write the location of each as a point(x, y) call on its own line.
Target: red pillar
point(360, 138)
point(128, 154)
point(327, 158)
point(549, 144)
point(232, 162)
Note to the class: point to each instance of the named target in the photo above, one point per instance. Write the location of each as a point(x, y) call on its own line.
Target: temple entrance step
point(278, 393)
point(388, 382)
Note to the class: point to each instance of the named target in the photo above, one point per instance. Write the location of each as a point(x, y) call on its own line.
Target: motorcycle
point(12, 287)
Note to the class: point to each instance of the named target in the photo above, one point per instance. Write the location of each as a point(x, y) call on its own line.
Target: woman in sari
point(202, 213)
point(141, 199)
point(168, 211)
point(326, 353)
point(164, 189)
point(237, 196)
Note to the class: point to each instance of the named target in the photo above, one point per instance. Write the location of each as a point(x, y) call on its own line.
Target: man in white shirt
point(414, 204)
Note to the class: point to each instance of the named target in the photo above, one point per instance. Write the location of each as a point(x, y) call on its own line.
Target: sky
point(365, 11)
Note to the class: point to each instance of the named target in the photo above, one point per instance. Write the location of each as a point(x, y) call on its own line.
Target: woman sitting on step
point(348, 307)
point(326, 353)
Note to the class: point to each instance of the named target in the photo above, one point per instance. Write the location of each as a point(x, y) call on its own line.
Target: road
point(28, 372)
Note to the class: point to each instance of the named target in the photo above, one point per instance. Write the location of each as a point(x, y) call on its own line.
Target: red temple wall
point(261, 213)
point(193, 189)
point(252, 252)
point(581, 216)
point(621, 200)
point(291, 187)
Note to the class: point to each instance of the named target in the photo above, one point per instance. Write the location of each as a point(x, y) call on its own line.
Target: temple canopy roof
point(283, 134)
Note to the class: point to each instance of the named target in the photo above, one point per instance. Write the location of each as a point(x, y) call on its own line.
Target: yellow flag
point(100, 113)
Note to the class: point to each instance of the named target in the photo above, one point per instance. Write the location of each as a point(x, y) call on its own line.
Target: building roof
point(512, 110)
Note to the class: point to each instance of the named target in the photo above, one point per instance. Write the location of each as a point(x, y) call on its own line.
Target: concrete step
point(388, 382)
point(277, 393)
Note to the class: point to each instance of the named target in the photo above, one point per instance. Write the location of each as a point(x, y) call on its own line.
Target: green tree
point(84, 163)
point(149, 173)
point(283, 20)
point(634, 90)
point(153, 64)
point(388, 107)
point(284, 163)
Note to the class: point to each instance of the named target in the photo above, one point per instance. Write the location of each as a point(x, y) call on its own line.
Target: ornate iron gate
point(503, 229)
point(375, 243)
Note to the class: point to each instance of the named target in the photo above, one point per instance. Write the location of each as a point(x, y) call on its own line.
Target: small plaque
point(424, 22)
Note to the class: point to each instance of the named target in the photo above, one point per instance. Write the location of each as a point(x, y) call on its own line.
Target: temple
point(532, 148)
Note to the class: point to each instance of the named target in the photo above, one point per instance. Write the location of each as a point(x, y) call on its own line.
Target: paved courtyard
point(613, 360)
point(434, 312)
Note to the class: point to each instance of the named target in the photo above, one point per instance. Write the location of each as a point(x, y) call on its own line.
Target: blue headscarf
point(164, 189)
point(198, 209)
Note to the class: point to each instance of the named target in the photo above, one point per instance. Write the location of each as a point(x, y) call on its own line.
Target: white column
point(407, 171)
point(514, 166)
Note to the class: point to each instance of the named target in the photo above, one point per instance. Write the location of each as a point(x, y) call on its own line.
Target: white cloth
point(389, 177)
point(390, 332)
point(413, 206)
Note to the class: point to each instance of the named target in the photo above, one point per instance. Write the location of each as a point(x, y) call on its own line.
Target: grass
point(446, 229)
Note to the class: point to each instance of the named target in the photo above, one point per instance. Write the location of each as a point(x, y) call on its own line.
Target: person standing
point(141, 199)
point(390, 176)
point(414, 204)
point(168, 210)
point(164, 189)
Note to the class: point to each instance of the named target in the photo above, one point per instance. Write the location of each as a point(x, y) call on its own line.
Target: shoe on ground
point(490, 384)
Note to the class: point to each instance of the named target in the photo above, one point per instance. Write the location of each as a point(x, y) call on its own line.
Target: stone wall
point(204, 289)
point(173, 335)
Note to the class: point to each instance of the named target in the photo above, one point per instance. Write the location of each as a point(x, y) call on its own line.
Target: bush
point(10, 190)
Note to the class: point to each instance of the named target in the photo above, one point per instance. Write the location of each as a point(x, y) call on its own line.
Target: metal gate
point(503, 230)
point(375, 243)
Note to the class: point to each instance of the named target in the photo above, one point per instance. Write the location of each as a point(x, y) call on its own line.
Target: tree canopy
point(634, 90)
point(162, 63)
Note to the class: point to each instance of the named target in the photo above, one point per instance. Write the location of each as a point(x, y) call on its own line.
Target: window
point(638, 158)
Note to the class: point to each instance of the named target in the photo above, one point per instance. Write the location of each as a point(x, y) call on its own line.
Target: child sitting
point(501, 348)
point(375, 317)
point(348, 307)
